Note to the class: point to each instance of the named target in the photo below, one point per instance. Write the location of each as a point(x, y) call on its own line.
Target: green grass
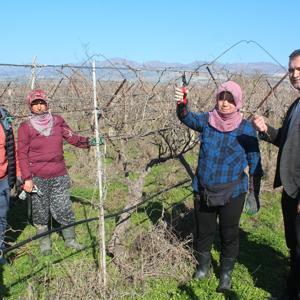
point(259, 272)
point(70, 158)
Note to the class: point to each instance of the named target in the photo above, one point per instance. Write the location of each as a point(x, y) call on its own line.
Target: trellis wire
point(96, 110)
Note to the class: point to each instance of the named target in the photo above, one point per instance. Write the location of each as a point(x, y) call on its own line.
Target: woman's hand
point(180, 94)
point(259, 123)
point(28, 186)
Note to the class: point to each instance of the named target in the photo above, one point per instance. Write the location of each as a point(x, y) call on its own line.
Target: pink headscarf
point(42, 123)
point(227, 122)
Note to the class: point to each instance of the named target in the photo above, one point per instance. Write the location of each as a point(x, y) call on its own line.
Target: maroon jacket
point(43, 156)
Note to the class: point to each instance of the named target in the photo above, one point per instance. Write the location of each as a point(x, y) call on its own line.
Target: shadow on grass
point(187, 290)
point(92, 238)
point(4, 291)
point(266, 265)
point(17, 219)
point(179, 217)
point(44, 266)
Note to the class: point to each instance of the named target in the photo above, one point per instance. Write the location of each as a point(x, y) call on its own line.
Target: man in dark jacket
point(287, 138)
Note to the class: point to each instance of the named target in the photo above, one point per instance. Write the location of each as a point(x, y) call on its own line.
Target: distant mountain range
point(255, 67)
point(113, 68)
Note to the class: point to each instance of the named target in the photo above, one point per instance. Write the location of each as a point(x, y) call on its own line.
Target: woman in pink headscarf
point(228, 145)
point(40, 150)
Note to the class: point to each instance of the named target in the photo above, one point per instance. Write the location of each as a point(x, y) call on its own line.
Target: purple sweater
point(43, 156)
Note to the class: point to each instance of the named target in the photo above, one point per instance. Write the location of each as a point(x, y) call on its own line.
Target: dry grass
point(153, 254)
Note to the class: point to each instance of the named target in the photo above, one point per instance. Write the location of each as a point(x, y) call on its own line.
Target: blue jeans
point(4, 206)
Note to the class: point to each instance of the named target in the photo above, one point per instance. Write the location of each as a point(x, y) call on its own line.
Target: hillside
point(113, 67)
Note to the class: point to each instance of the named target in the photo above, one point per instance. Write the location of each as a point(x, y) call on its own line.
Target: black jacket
point(288, 161)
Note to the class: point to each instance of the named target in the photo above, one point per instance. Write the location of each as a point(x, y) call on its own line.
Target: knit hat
point(36, 95)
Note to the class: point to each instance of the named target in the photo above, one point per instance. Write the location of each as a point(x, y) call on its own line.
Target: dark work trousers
point(292, 236)
point(229, 218)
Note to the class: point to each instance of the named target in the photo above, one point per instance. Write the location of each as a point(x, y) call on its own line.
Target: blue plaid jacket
point(224, 156)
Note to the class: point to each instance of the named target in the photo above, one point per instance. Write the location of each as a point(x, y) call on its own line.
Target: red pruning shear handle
point(184, 88)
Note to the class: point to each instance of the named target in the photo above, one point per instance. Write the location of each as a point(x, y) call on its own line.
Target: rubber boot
point(204, 262)
point(45, 242)
point(69, 236)
point(226, 269)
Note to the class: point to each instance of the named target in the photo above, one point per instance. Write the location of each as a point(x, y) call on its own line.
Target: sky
point(63, 31)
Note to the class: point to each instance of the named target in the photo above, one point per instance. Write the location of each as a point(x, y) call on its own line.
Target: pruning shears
point(184, 87)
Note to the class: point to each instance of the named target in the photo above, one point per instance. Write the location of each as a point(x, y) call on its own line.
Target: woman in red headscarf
point(228, 145)
point(40, 150)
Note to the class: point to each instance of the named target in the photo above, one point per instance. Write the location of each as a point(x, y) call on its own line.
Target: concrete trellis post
point(102, 257)
point(33, 73)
